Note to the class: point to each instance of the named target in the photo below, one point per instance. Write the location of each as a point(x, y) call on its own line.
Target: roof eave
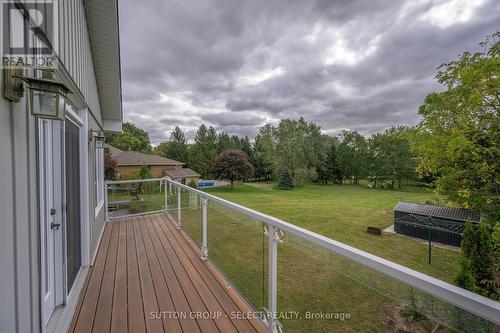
point(103, 26)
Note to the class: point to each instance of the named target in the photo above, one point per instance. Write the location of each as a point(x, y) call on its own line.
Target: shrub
point(286, 180)
point(192, 184)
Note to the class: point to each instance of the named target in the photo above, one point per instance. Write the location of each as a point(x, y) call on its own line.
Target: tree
point(232, 165)
point(352, 155)
point(390, 156)
point(329, 170)
point(175, 148)
point(469, 239)
point(263, 152)
point(109, 165)
point(132, 138)
point(286, 180)
point(297, 145)
point(482, 257)
point(465, 278)
point(458, 136)
point(145, 172)
point(203, 152)
point(478, 249)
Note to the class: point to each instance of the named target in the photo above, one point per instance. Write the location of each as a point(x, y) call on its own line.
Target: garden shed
point(443, 224)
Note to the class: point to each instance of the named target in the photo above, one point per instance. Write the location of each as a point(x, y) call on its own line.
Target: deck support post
point(204, 245)
point(179, 223)
point(272, 296)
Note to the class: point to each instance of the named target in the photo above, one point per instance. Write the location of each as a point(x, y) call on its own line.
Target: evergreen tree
point(468, 240)
point(483, 257)
point(465, 278)
point(203, 152)
point(177, 146)
point(286, 180)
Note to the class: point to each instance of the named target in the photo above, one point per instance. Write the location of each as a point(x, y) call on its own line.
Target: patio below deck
point(148, 277)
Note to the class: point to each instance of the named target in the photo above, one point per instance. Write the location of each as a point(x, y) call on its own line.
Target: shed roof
point(136, 158)
point(181, 173)
point(458, 214)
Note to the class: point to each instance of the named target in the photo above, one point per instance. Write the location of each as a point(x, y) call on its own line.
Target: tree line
point(304, 150)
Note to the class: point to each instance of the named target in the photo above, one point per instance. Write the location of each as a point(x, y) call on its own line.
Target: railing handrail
point(464, 299)
point(131, 181)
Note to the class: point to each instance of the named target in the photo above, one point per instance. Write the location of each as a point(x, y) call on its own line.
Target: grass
point(312, 279)
point(343, 212)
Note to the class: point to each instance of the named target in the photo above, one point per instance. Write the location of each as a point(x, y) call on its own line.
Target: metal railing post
point(166, 195)
point(272, 296)
point(179, 223)
point(106, 214)
point(204, 246)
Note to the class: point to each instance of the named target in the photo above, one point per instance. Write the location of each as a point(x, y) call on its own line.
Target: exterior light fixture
point(47, 97)
point(98, 137)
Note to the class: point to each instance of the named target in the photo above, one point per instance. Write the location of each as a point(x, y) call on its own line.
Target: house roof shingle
point(136, 158)
point(112, 150)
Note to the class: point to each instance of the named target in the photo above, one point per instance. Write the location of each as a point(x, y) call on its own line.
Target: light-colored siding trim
point(75, 53)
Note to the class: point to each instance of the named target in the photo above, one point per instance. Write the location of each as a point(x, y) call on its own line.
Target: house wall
point(19, 239)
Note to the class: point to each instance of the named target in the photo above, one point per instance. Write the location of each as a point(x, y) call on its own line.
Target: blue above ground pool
point(205, 184)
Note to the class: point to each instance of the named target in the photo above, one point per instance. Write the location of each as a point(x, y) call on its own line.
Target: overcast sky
point(238, 64)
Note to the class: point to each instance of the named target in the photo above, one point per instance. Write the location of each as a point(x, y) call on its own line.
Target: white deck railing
point(468, 301)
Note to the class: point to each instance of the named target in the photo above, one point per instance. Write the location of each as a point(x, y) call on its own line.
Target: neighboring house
point(129, 164)
point(52, 173)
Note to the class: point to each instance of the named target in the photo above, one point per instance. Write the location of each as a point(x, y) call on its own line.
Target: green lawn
point(313, 279)
point(343, 212)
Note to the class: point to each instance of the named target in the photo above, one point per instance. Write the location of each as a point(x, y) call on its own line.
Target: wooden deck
point(147, 277)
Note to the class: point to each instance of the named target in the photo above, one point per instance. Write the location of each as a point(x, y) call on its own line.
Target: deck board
point(145, 272)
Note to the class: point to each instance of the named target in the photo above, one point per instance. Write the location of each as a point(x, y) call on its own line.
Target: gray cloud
point(236, 64)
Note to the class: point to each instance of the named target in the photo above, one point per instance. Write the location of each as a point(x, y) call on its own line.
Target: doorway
point(73, 203)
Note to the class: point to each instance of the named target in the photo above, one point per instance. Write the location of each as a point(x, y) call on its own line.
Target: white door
point(50, 168)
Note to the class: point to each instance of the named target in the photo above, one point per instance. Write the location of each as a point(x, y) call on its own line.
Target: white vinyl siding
point(76, 53)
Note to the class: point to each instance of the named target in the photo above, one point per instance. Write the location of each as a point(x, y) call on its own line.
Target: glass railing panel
point(135, 198)
point(321, 291)
point(238, 246)
point(191, 215)
point(172, 200)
